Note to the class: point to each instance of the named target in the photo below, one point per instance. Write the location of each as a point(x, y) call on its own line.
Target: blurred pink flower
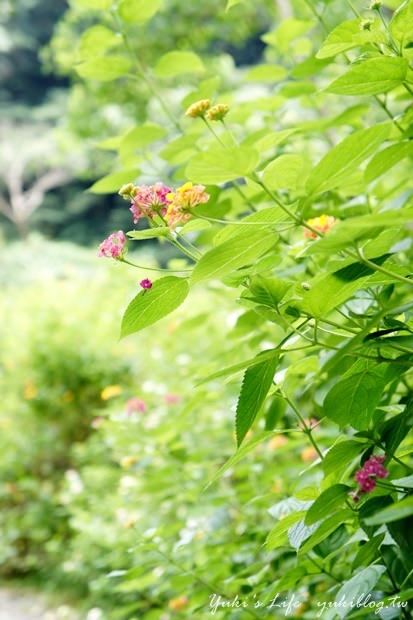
point(136, 405)
point(113, 246)
point(372, 469)
point(172, 399)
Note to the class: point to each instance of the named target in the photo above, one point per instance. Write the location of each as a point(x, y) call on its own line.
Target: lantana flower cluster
point(322, 224)
point(160, 200)
point(366, 477)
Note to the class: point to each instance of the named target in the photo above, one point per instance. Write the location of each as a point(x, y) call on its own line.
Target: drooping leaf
point(255, 387)
point(371, 77)
point(149, 306)
point(232, 254)
point(176, 63)
point(359, 586)
point(219, 164)
point(326, 528)
point(345, 158)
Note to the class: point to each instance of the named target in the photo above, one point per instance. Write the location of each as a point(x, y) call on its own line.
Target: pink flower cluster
point(160, 200)
point(149, 200)
point(113, 246)
point(136, 405)
point(372, 469)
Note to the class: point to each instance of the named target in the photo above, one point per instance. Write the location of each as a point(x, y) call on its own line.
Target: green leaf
point(368, 552)
point(326, 503)
point(266, 73)
point(266, 217)
point(255, 387)
point(345, 158)
point(326, 528)
point(232, 3)
point(149, 233)
point(278, 536)
point(93, 4)
point(346, 36)
point(395, 512)
point(386, 159)
point(178, 63)
point(154, 304)
point(140, 137)
point(284, 172)
point(230, 370)
point(241, 453)
point(112, 182)
point(104, 68)
point(358, 587)
point(139, 11)
point(219, 164)
point(268, 291)
point(401, 25)
point(345, 233)
point(354, 398)
point(371, 77)
point(340, 456)
point(96, 40)
point(237, 252)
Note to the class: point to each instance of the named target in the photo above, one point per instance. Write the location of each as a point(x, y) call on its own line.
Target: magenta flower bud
point(146, 283)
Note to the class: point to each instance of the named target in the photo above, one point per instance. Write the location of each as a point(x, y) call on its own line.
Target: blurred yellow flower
point(178, 603)
point(128, 461)
point(322, 224)
point(198, 108)
point(30, 390)
point(110, 391)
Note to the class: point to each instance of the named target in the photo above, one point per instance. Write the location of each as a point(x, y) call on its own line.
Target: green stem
point(381, 269)
point(306, 429)
point(144, 267)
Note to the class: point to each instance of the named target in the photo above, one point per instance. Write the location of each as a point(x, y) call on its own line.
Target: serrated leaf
point(139, 11)
point(256, 384)
point(104, 68)
point(154, 304)
point(176, 63)
point(371, 77)
point(237, 252)
point(353, 400)
point(345, 158)
point(395, 512)
point(326, 503)
point(219, 164)
point(112, 182)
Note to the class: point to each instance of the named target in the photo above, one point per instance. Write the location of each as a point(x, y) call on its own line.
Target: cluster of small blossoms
point(203, 108)
point(182, 200)
point(322, 224)
point(113, 246)
point(159, 199)
point(366, 476)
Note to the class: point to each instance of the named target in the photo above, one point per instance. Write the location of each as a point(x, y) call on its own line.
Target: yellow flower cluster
point(322, 224)
point(203, 108)
point(184, 198)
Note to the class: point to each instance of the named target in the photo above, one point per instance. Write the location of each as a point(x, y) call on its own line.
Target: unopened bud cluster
point(203, 108)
